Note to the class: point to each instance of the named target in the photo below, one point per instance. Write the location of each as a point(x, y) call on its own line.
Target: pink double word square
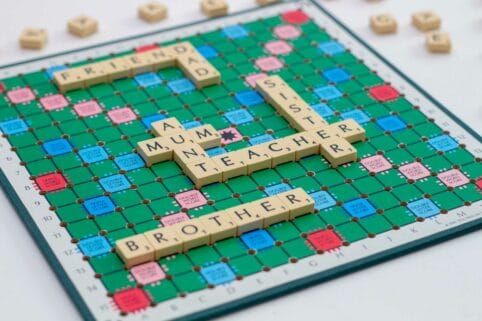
point(121, 115)
point(414, 171)
point(88, 108)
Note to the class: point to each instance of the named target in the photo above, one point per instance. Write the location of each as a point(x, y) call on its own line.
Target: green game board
point(70, 166)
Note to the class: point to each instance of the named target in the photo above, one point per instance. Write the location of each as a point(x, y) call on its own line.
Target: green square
point(407, 193)
point(391, 178)
point(375, 224)
point(78, 175)
point(447, 200)
point(351, 232)
point(272, 257)
point(118, 280)
point(176, 264)
point(308, 223)
point(162, 291)
point(384, 200)
point(230, 248)
point(138, 214)
point(368, 185)
point(165, 206)
point(82, 229)
point(334, 216)
point(344, 192)
point(71, 212)
point(189, 282)
point(284, 231)
point(399, 216)
point(297, 248)
point(126, 198)
point(245, 265)
point(111, 222)
point(106, 263)
point(203, 256)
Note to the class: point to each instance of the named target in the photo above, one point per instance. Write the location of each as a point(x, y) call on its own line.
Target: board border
point(280, 289)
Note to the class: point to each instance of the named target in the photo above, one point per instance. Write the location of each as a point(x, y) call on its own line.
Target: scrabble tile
point(276, 189)
point(94, 246)
point(328, 92)
point(148, 79)
point(376, 163)
point(255, 157)
point(131, 300)
point(82, 26)
point(206, 136)
point(172, 219)
point(33, 38)
point(13, 126)
point(219, 226)
point(21, 95)
point(257, 240)
point(166, 127)
point(336, 75)
point(426, 20)
point(191, 199)
point(114, 183)
point(453, 178)
point(51, 182)
point(159, 58)
point(391, 123)
point(217, 274)
point(286, 32)
point(189, 153)
point(214, 8)
point(178, 139)
point(383, 93)
point(121, 115)
point(230, 135)
point(164, 241)
point(137, 64)
point(278, 47)
point(99, 205)
point(325, 240)
point(338, 151)
point(279, 151)
point(359, 208)
point(272, 210)
point(357, 115)
point(92, 74)
point(297, 201)
point(152, 12)
point(69, 79)
point(235, 31)
point(129, 162)
point(245, 217)
point(88, 108)
point(230, 166)
point(57, 147)
point(192, 233)
point(53, 102)
point(115, 68)
point(322, 135)
point(305, 120)
point(349, 130)
point(322, 200)
point(238, 117)
point(383, 23)
point(203, 172)
point(438, 42)
point(443, 143)
point(414, 171)
point(154, 150)
point(148, 273)
point(268, 63)
point(199, 70)
point(331, 48)
point(93, 154)
point(424, 208)
point(303, 145)
point(134, 250)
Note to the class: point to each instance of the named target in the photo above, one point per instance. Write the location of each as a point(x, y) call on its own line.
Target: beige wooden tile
point(82, 26)
point(134, 250)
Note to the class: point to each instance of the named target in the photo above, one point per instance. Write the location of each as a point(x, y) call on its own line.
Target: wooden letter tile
point(338, 151)
point(82, 26)
point(192, 233)
point(206, 136)
point(214, 8)
point(152, 12)
point(297, 201)
point(383, 23)
point(134, 250)
point(219, 226)
point(164, 241)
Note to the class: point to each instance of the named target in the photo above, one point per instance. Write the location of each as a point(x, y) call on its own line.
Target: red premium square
point(51, 182)
point(324, 240)
point(384, 93)
point(131, 300)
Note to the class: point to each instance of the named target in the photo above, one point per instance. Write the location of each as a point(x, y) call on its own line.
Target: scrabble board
point(73, 169)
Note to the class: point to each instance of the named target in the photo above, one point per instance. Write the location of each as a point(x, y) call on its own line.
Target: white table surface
point(443, 282)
